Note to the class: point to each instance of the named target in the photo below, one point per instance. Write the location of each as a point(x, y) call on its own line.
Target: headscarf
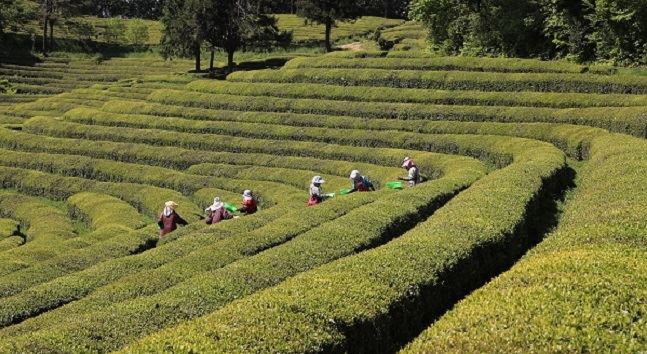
point(217, 204)
point(169, 207)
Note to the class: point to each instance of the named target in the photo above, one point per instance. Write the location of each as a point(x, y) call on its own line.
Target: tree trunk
point(328, 31)
point(386, 8)
point(213, 56)
point(51, 35)
point(230, 61)
point(45, 23)
point(197, 53)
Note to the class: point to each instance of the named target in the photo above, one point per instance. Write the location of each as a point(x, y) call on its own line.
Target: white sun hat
point(318, 180)
point(217, 204)
point(354, 174)
point(247, 193)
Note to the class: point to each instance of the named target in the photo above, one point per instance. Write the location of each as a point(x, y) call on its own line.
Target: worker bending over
point(360, 183)
point(316, 193)
point(249, 203)
point(170, 219)
point(217, 212)
point(413, 176)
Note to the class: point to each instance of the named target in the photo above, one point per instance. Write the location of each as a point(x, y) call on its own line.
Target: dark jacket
point(169, 223)
point(218, 215)
point(249, 206)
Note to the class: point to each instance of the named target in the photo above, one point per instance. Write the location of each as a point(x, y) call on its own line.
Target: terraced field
point(535, 175)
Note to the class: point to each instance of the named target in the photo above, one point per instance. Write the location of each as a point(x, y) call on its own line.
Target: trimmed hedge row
point(121, 176)
point(591, 271)
point(8, 227)
point(95, 280)
point(121, 241)
point(374, 224)
point(42, 236)
point(222, 251)
point(630, 120)
point(179, 158)
point(384, 156)
point(365, 302)
point(452, 80)
point(9, 234)
point(146, 199)
point(505, 65)
point(400, 95)
point(101, 210)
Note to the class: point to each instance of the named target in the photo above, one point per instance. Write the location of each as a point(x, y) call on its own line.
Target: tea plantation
point(529, 232)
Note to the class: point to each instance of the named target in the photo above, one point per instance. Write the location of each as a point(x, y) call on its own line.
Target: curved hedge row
point(504, 65)
point(400, 95)
point(593, 267)
point(452, 80)
point(178, 158)
point(629, 120)
point(104, 210)
point(95, 279)
point(43, 235)
point(9, 233)
point(222, 250)
point(365, 302)
point(120, 242)
point(374, 224)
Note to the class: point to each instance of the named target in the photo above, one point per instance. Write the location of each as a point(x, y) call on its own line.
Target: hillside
point(527, 234)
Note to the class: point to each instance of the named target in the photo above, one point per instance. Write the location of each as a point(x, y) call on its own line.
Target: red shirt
point(249, 206)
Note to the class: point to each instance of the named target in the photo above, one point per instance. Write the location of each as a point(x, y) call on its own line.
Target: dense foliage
point(614, 30)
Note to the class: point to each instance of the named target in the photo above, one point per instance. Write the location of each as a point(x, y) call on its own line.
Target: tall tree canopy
point(328, 12)
point(612, 30)
point(15, 13)
point(227, 24)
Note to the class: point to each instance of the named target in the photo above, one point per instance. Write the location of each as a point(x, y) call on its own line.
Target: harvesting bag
point(395, 185)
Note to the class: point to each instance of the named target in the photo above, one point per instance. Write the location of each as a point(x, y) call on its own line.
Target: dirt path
point(354, 47)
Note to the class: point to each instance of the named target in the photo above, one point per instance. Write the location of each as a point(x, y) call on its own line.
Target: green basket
point(230, 208)
point(395, 185)
point(345, 191)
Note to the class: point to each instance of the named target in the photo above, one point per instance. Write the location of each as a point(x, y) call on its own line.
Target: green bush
point(625, 119)
point(202, 293)
point(453, 80)
point(593, 266)
point(440, 63)
point(402, 95)
point(137, 33)
point(104, 210)
point(362, 302)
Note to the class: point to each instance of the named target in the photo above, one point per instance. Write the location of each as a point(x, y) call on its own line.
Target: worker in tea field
point(360, 183)
point(316, 193)
point(413, 176)
point(217, 212)
point(249, 203)
point(170, 219)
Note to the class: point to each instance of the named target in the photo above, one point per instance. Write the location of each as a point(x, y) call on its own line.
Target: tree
point(238, 24)
point(137, 33)
point(328, 12)
point(53, 11)
point(14, 13)
point(183, 29)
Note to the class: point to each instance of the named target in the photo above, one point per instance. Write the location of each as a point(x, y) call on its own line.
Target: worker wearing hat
point(316, 193)
point(360, 183)
point(217, 212)
point(249, 203)
point(170, 219)
point(413, 176)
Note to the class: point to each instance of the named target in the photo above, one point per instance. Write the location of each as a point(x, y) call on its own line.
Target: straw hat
point(171, 205)
point(354, 174)
point(318, 180)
